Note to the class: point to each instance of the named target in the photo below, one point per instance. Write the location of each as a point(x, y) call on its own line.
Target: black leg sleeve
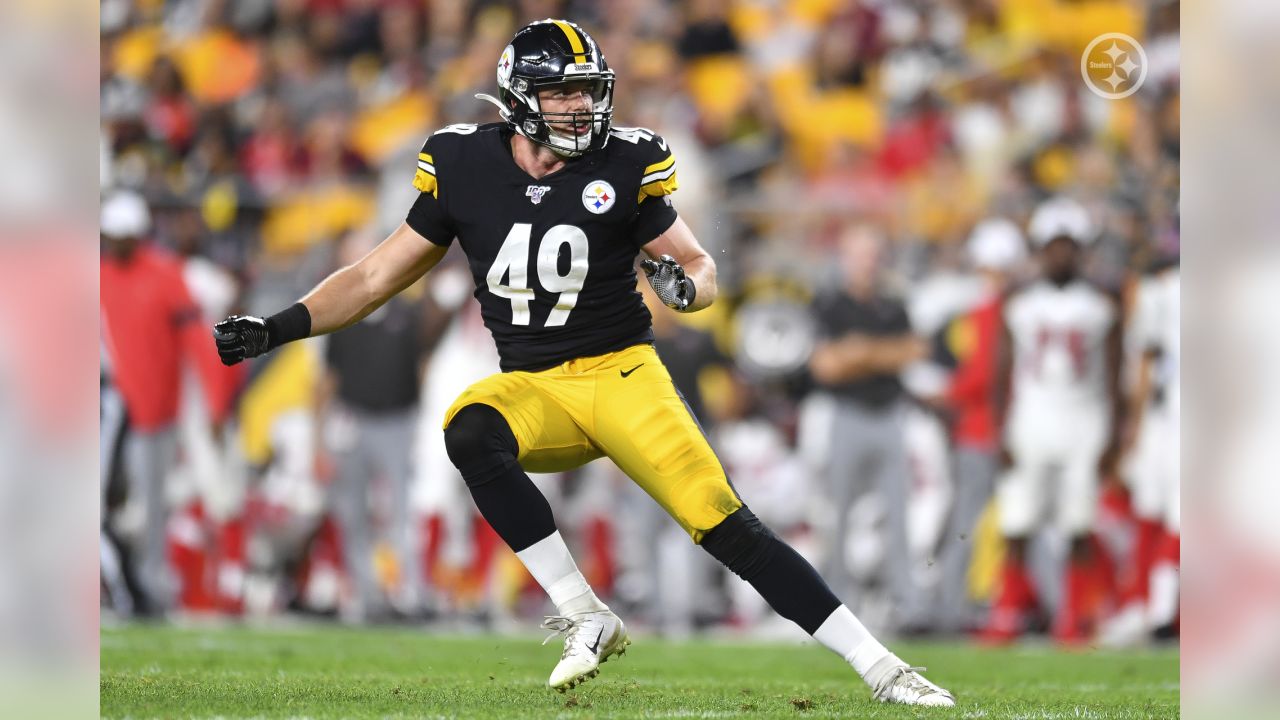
point(784, 579)
point(484, 450)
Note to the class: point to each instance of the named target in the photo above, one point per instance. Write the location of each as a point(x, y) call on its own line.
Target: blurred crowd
point(847, 163)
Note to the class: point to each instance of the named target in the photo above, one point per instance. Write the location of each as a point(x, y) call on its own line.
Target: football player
point(1154, 468)
point(551, 206)
point(1059, 406)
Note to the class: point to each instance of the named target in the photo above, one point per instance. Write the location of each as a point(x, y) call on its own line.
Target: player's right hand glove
point(239, 337)
point(669, 282)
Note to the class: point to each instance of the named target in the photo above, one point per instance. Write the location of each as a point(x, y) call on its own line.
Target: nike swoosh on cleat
point(595, 648)
point(625, 373)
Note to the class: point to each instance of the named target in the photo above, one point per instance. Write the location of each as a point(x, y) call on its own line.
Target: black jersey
point(553, 258)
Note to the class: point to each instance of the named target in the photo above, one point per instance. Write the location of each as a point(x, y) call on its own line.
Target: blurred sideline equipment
point(581, 379)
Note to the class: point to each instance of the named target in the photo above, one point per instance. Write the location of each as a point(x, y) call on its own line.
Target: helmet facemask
point(538, 125)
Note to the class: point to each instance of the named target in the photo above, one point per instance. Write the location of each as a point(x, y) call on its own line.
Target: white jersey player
point(1153, 463)
point(1058, 378)
point(1154, 334)
point(1060, 416)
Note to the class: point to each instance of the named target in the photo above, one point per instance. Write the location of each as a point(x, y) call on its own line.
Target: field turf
point(333, 672)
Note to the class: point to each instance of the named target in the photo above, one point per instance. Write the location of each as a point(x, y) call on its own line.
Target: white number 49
point(512, 263)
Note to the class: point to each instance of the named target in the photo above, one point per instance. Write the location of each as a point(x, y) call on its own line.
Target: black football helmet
point(544, 54)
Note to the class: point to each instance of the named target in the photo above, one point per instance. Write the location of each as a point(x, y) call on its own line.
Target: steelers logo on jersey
point(598, 196)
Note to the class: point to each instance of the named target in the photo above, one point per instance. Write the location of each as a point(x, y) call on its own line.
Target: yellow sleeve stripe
point(659, 175)
point(425, 178)
point(574, 42)
point(664, 186)
point(662, 165)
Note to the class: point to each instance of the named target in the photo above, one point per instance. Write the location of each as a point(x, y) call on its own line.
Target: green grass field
point(334, 672)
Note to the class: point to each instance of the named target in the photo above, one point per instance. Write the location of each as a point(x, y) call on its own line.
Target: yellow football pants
point(623, 406)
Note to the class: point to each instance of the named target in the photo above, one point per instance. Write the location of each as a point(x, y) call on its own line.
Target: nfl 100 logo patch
point(598, 197)
point(535, 193)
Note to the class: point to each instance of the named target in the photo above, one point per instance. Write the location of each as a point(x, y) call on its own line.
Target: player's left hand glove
point(669, 282)
point(239, 337)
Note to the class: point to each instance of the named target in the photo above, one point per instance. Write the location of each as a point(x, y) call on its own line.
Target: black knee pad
point(741, 543)
point(481, 445)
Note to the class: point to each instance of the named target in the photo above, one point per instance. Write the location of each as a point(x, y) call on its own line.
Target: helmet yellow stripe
point(574, 42)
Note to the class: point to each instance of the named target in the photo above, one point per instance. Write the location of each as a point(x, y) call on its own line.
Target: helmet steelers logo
point(506, 65)
point(598, 197)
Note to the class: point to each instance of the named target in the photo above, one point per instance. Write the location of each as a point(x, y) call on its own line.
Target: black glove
point(241, 336)
point(669, 283)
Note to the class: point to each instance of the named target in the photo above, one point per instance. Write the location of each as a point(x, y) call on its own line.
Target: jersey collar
point(501, 146)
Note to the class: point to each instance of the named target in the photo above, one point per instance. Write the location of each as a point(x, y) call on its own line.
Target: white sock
point(550, 563)
point(847, 637)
